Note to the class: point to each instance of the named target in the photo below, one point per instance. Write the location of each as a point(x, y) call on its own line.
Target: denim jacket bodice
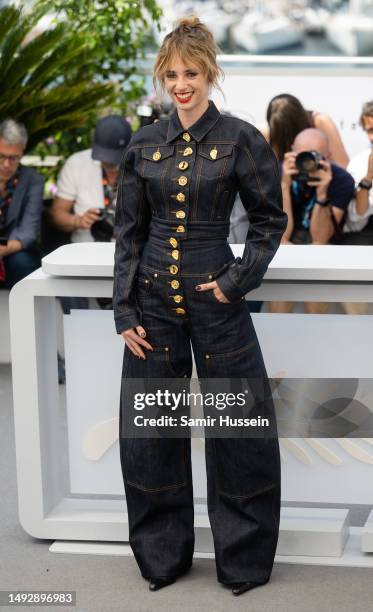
point(188, 179)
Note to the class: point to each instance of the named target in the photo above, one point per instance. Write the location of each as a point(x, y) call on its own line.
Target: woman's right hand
point(134, 338)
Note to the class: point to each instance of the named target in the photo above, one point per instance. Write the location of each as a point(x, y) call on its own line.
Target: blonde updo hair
point(193, 42)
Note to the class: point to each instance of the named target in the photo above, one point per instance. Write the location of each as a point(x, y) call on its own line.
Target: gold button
point(175, 284)
point(175, 254)
point(210, 276)
point(186, 136)
point(155, 274)
point(180, 197)
point(173, 242)
point(183, 165)
point(182, 180)
point(180, 311)
point(174, 269)
point(207, 356)
point(180, 229)
point(166, 348)
point(178, 298)
point(157, 155)
point(188, 151)
point(180, 214)
point(213, 153)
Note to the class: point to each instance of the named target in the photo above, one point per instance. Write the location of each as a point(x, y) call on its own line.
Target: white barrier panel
point(294, 346)
point(68, 469)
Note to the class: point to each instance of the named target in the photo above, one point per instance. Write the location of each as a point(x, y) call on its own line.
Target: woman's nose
point(181, 84)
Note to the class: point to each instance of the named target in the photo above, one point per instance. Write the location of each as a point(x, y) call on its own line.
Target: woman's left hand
point(216, 289)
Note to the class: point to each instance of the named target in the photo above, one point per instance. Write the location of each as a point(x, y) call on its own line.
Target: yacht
point(352, 31)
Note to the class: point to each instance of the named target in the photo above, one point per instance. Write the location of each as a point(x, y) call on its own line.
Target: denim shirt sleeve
point(132, 221)
point(259, 186)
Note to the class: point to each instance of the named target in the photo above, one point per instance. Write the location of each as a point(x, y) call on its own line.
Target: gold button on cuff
point(210, 276)
point(178, 298)
point(173, 242)
point(173, 269)
point(180, 229)
point(180, 197)
point(183, 165)
point(180, 311)
point(175, 254)
point(180, 214)
point(186, 136)
point(188, 151)
point(182, 180)
point(175, 284)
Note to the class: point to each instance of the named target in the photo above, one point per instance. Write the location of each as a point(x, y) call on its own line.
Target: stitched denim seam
point(249, 155)
point(198, 180)
point(167, 273)
point(133, 246)
point(150, 198)
point(249, 495)
point(219, 180)
point(163, 175)
point(236, 352)
point(155, 490)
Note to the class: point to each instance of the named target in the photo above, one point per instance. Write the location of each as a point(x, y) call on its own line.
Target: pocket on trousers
point(246, 467)
point(154, 464)
point(244, 361)
point(159, 362)
point(146, 283)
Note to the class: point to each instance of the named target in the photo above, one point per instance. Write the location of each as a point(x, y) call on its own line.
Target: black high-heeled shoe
point(242, 587)
point(158, 583)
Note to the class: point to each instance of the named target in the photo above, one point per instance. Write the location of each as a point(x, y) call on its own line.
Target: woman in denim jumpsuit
point(177, 284)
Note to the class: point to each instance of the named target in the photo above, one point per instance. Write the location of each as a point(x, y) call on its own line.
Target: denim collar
point(199, 129)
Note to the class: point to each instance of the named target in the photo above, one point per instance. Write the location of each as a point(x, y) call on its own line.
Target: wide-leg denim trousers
point(243, 474)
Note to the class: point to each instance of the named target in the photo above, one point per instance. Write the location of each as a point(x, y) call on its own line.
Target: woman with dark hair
point(178, 286)
point(286, 118)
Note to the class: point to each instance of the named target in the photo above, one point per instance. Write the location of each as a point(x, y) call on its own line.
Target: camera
point(102, 230)
point(307, 162)
point(149, 113)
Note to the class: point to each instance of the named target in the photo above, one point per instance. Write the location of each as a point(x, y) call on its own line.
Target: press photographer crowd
point(327, 196)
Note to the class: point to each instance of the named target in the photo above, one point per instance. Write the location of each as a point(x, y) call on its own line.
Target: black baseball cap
point(112, 135)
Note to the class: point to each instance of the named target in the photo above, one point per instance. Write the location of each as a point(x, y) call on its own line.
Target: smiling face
point(187, 86)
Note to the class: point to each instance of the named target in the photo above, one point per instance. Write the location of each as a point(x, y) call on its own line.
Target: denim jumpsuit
point(176, 191)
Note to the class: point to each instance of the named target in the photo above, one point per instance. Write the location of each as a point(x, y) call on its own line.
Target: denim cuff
point(124, 322)
point(231, 291)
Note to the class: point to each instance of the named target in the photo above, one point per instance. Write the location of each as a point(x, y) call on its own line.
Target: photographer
point(21, 199)
point(86, 187)
point(316, 194)
point(361, 168)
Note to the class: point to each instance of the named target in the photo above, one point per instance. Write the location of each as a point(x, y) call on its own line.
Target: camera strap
point(307, 207)
point(6, 199)
point(110, 193)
